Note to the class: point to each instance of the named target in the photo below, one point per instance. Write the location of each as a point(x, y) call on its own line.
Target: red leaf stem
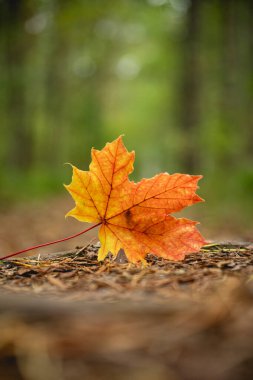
point(50, 243)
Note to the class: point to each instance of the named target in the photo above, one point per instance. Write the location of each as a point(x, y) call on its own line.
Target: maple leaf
point(135, 217)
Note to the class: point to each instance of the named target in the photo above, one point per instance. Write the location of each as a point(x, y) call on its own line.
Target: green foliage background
point(174, 76)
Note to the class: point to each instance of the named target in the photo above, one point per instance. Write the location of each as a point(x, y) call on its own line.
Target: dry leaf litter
point(67, 316)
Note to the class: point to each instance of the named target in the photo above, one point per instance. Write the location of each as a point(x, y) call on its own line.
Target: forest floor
point(70, 317)
point(66, 316)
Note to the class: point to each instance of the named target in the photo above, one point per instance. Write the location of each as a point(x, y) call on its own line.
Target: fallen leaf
point(135, 217)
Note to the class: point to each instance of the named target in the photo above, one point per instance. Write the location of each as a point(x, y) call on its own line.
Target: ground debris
point(79, 272)
point(70, 317)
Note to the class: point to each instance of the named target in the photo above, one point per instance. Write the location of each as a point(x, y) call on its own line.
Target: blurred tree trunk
point(72, 101)
point(189, 112)
point(56, 103)
point(229, 77)
point(236, 82)
point(250, 80)
point(16, 47)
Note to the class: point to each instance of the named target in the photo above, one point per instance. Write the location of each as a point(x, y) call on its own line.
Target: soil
point(67, 316)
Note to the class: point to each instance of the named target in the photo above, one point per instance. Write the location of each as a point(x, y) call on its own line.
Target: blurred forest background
point(174, 76)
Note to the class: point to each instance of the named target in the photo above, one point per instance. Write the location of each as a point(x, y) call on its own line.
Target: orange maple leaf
point(135, 217)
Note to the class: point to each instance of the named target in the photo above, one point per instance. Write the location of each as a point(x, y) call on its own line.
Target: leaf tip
point(102, 254)
point(68, 163)
point(198, 199)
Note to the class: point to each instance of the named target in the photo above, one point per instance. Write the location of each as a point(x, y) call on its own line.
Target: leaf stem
point(50, 243)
